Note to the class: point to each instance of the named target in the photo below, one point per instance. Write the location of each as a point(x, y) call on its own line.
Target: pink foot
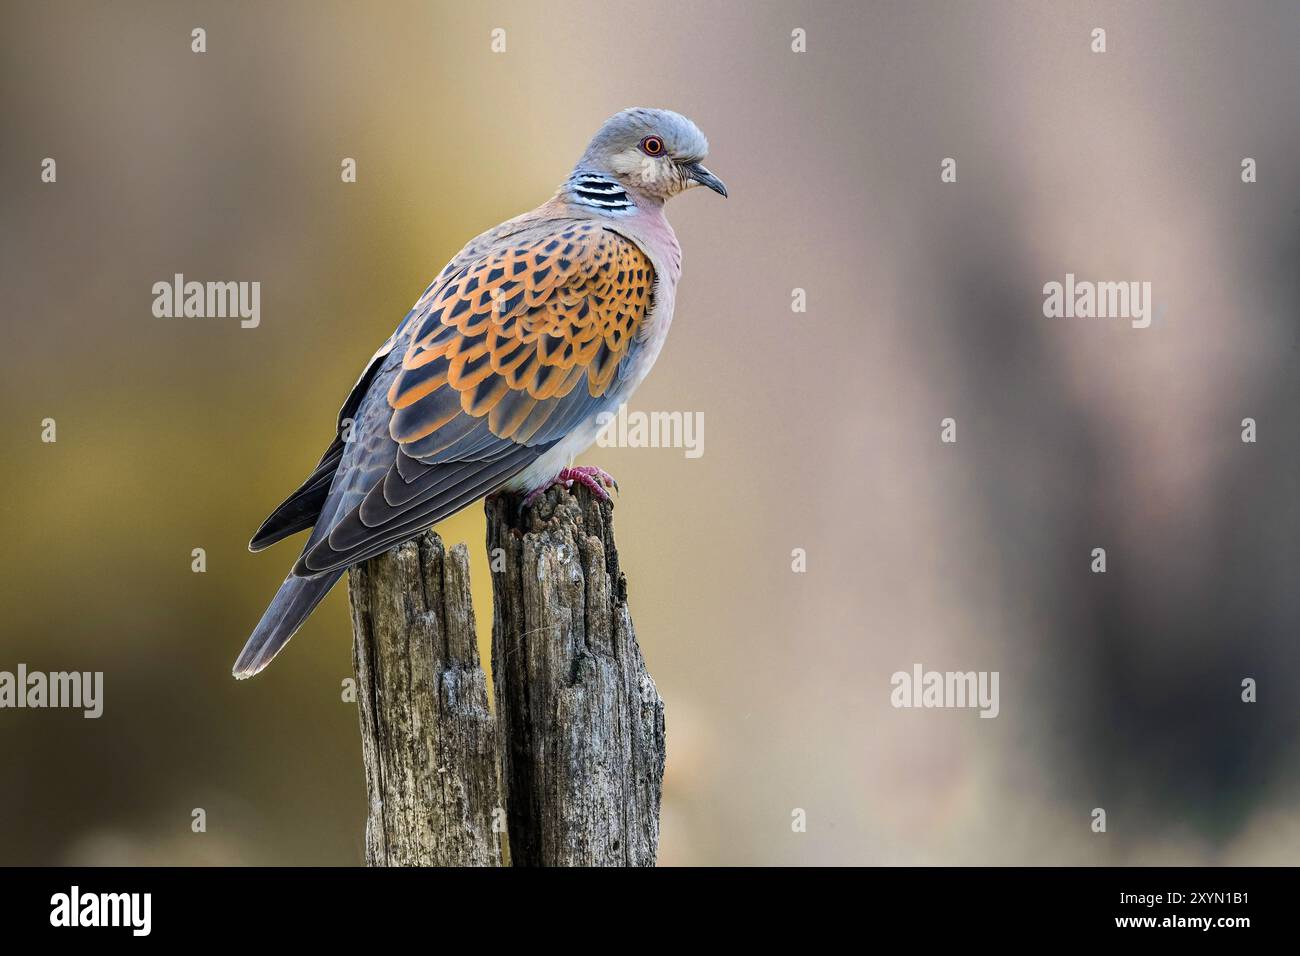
point(596, 480)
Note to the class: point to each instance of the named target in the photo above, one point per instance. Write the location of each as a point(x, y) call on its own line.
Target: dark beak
point(705, 178)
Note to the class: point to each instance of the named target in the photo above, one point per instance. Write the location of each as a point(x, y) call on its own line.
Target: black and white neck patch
point(599, 191)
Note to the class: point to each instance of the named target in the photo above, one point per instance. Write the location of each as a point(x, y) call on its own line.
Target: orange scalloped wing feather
point(520, 344)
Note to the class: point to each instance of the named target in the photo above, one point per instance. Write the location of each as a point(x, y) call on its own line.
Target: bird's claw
point(594, 479)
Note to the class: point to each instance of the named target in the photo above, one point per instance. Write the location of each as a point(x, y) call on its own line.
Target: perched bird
point(495, 380)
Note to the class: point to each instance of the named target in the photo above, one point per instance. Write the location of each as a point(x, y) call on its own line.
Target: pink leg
point(596, 480)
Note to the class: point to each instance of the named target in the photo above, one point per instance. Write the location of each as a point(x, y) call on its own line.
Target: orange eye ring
point(652, 146)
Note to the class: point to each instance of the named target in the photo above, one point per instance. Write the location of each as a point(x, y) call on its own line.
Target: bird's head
point(654, 153)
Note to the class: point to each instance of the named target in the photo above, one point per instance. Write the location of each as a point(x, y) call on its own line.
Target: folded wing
point(503, 357)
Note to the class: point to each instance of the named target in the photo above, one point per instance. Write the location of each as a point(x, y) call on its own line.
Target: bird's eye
point(652, 146)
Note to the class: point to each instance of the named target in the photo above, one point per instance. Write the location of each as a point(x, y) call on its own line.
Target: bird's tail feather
point(297, 598)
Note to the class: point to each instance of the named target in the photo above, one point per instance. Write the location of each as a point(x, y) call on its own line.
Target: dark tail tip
point(292, 604)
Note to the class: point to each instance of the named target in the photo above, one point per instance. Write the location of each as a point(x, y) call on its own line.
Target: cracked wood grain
point(428, 740)
point(580, 720)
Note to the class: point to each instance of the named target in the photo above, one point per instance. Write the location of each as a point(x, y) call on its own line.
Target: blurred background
point(924, 301)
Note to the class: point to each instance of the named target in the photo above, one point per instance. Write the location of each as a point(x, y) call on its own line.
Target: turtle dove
point(498, 376)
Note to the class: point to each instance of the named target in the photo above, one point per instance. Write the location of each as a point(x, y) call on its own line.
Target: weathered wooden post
point(427, 738)
point(573, 763)
point(580, 723)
